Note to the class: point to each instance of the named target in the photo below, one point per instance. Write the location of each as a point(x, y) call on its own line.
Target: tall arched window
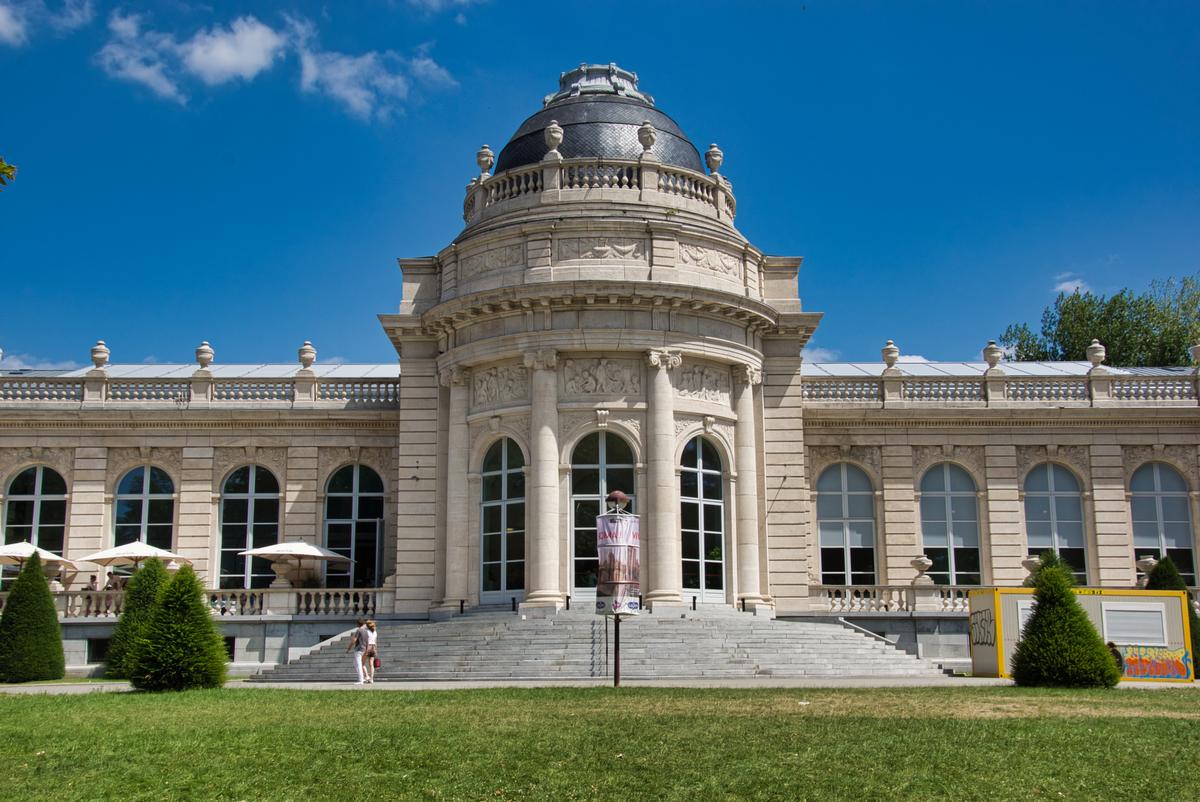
point(1054, 517)
point(35, 509)
point(950, 525)
point(702, 517)
point(354, 527)
point(249, 519)
point(1162, 517)
point(145, 508)
point(846, 522)
point(502, 521)
point(601, 462)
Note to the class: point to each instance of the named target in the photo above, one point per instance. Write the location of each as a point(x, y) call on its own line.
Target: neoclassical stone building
point(599, 324)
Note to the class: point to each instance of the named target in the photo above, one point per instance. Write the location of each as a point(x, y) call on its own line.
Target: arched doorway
point(702, 521)
point(601, 462)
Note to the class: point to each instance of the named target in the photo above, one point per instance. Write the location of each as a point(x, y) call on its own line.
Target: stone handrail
point(848, 599)
point(1006, 391)
point(557, 180)
point(237, 602)
point(339, 602)
point(202, 391)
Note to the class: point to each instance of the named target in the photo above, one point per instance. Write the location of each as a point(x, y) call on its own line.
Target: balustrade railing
point(514, 184)
point(841, 390)
point(253, 390)
point(361, 393)
point(148, 390)
point(692, 186)
point(862, 598)
point(335, 602)
point(1047, 390)
point(1147, 389)
point(237, 602)
point(942, 390)
point(599, 176)
point(15, 388)
point(369, 393)
point(90, 603)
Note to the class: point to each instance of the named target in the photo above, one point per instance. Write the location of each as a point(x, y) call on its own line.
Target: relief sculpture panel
point(625, 248)
point(500, 385)
point(707, 258)
point(494, 259)
point(704, 383)
point(601, 377)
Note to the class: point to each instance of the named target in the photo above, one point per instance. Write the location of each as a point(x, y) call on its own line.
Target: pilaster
point(1004, 514)
point(662, 538)
point(197, 537)
point(543, 534)
point(1112, 561)
point(85, 525)
point(749, 590)
point(899, 522)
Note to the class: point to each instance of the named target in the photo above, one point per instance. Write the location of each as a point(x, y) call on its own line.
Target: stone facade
point(598, 306)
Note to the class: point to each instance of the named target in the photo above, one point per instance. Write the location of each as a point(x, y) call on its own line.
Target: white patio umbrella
point(18, 553)
point(132, 554)
point(297, 550)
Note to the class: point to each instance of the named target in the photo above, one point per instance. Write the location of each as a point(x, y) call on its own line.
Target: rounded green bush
point(1059, 646)
point(30, 638)
point(181, 647)
point(140, 597)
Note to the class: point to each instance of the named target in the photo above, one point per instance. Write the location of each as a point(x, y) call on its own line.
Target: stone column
point(661, 533)
point(544, 590)
point(746, 462)
point(456, 488)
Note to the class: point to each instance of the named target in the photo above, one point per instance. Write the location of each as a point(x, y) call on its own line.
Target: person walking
point(372, 652)
point(358, 645)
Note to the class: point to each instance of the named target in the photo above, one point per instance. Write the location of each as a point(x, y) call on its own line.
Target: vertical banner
point(618, 543)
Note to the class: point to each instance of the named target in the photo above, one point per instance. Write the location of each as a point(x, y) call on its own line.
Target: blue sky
point(247, 172)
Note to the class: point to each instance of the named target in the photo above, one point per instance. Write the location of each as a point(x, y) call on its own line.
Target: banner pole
point(617, 652)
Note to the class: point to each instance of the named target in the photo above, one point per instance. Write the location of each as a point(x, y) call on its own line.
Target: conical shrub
point(1165, 576)
point(140, 597)
point(1047, 559)
point(1059, 646)
point(30, 638)
point(181, 647)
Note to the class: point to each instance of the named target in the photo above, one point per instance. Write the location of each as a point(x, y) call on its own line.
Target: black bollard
point(617, 651)
point(462, 606)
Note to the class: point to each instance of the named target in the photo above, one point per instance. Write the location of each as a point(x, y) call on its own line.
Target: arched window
point(502, 521)
point(601, 462)
point(1162, 517)
point(354, 527)
point(35, 509)
point(145, 508)
point(702, 517)
point(249, 519)
point(1054, 517)
point(950, 525)
point(846, 522)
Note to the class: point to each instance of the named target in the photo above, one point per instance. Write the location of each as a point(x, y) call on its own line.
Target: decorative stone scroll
point(1182, 458)
point(662, 358)
point(601, 377)
point(123, 460)
point(970, 457)
point(494, 259)
point(60, 459)
point(454, 375)
point(500, 385)
point(821, 457)
point(226, 459)
point(1077, 458)
point(704, 383)
point(747, 374)
point(707, 258)
point(624, 248)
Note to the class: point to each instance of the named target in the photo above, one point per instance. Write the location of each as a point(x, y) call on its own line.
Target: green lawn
point(605, 744)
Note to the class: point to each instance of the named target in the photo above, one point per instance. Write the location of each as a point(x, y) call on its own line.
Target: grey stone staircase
point(712, 643)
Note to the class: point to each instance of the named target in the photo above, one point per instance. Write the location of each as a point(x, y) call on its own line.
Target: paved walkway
point(75, 688)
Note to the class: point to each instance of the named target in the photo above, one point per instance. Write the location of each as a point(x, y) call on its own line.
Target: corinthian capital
point(542, 359)
point(747, 374)
point(454, 375)
point(662, 358)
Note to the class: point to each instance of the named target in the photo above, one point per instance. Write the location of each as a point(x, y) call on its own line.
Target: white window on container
point(1134, 623)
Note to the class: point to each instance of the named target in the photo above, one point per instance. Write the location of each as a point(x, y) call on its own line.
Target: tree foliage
point(7, 172)
point(1155, 328)
point(1165, 576)
point(30, 638)
point(140, 598)
point(1059, 646)
point(1047, 559)
point(182, 647)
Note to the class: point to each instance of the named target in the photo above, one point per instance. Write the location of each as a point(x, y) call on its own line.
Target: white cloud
point(73, 15)
point(429, 72)
point(31, 362)
point(819, 354)
point(435, 6)
point(1069, 283)
point(13, 30)
point(243, 50)
point(142, 57)
point(912, 358)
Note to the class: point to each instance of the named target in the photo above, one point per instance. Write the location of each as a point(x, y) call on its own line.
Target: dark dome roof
point(600, 110)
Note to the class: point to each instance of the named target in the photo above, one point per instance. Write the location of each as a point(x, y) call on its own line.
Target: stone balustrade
point(988, 391)
point(330, 602)
point(202, 391)
point(572, 180)
point(855, 599)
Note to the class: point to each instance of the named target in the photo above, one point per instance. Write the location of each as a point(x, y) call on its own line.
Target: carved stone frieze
point(571, 422)
point(664, 358)
point(601, 248)
point(629, 422)
point(747, 375)
point(601, 377)
point(60, 459)
point(969, 457)
point(379, 459)
point(493, 259)
point(685, 422)
point(123, 460)
point(1076, 458)
point(1182, 458)
point(703, 256)
point(500, 385)
point(821, 457)
point(225, 459)
point(704, 383)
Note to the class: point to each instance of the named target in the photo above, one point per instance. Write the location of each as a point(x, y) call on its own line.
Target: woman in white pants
point(358, 645)
point(371, 653)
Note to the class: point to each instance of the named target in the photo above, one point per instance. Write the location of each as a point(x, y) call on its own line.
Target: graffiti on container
point(1156, 662)
point(983, 628)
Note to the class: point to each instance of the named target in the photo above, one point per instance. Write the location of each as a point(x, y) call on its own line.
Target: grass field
point(604, 744)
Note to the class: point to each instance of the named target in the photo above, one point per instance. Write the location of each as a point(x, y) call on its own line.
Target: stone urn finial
point(553, 135)
point(891, 354)
point(204, 355)
point(485, 159)
point(714, 157)
point(1194, 353)
point(921, 565)
point(647, 134)
point(100, 354)
point(1145, 566)
point(1096, 354)
point(307, 354)
point(992, 354)
point(1031, 563)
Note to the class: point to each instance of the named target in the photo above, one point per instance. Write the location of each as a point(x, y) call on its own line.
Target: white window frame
point(1135, 607)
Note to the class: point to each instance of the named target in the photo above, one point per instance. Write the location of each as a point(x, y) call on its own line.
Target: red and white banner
point(618, 543)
